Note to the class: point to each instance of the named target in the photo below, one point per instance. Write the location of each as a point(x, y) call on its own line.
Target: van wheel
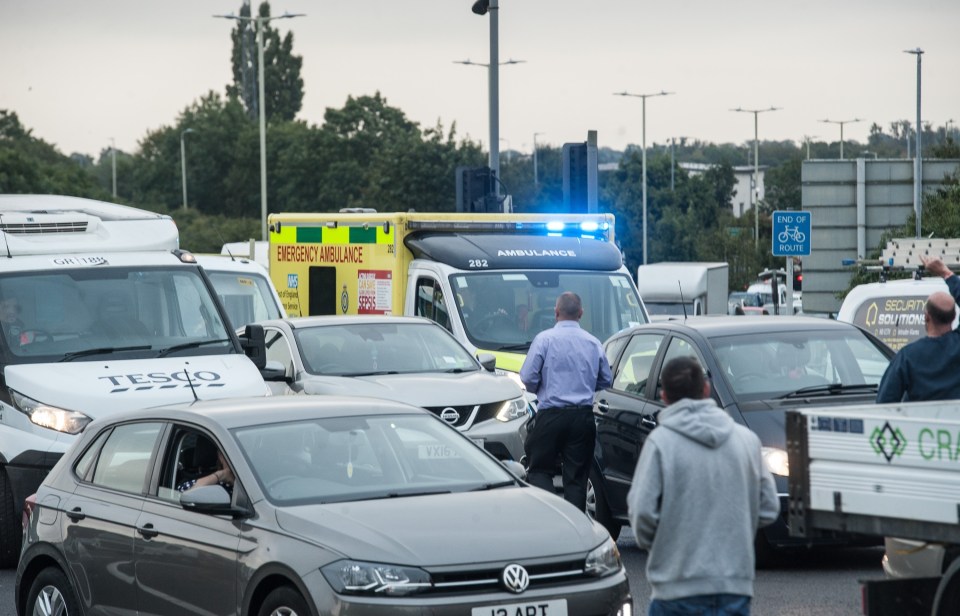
point(11, 532)
point(597, 507)
point(52, 595)
point(284, 601)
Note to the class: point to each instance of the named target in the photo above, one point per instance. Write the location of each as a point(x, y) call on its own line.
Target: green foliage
point(283, 87)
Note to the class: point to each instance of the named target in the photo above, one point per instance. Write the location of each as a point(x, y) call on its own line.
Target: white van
point(244, 288)
point(101, 312)
point(893, 310)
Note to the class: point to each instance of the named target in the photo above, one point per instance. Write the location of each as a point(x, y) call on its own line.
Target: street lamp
point(806, 139)
point(536, 178)
point(260, 21)
point(841, 123)
point(183, 165)
point(754, 190)
point(917, 160)
point(643, 158)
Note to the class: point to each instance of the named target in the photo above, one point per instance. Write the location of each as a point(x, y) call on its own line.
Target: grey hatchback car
point(304, 506)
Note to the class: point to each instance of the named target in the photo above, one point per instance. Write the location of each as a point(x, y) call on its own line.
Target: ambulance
point(100, 312)
point(491, 279)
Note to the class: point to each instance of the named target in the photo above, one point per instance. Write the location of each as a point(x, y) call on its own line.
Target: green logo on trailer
point(888, 441)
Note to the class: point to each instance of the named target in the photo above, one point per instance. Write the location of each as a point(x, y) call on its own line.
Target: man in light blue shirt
point(564, 368)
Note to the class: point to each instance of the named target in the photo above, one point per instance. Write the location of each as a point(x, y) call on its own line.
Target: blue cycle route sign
point(791, 233)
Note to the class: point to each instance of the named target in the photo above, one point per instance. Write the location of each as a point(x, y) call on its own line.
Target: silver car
point(304, 505)
point(409, 359)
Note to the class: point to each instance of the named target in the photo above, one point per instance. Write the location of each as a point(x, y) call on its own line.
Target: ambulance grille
point(40, 228)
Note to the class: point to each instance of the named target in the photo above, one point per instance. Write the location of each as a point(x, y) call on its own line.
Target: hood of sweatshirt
point(699, 420)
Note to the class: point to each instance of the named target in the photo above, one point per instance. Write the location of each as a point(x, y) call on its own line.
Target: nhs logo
point(293, 281)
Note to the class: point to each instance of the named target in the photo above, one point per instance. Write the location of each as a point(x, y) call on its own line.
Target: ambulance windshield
point(504, 311)
point(93, 313)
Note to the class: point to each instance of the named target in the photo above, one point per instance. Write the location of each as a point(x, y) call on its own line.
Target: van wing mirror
point(253, 342)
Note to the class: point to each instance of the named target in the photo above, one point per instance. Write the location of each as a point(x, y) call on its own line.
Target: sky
point(84, 74)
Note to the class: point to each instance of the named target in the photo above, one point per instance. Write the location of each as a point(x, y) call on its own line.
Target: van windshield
point(504, 311)
point(245, 297)
point(122, 312)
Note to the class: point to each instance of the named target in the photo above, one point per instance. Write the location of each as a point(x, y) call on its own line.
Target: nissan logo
point(515, 578)
point(450, 415)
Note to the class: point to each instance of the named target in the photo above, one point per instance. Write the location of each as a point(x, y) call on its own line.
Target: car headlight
point(512, 409)
point(603, 560)
point(361, 578)
point(513, 376)
point(776, 461)
point(52, 417)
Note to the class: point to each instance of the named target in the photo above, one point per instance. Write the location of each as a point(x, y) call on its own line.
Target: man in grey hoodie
point(699, 494)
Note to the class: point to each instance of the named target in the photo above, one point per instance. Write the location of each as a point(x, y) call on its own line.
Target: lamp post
point(643, 156)
point(113, 160)
point(260, 21)
point(918, 150)
point(183, 164)
point(841, 123)
point(754, 196)
point(536, 178)
point(806, 140)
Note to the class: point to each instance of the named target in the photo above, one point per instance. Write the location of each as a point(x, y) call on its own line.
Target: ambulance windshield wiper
point(831, 389)
point(190, 345)
point(102, 350)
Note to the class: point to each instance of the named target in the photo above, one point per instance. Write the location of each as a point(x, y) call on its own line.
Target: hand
point(936, 266)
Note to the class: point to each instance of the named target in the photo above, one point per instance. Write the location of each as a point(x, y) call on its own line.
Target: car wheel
point(52, 595)
point(10, 525)
point(284, 601)
point(597, 507)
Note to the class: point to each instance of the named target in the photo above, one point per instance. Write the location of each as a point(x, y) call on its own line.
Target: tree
point(782, 186)
point(283, 86)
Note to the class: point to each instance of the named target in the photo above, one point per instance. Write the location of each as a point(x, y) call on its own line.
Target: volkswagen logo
point(450, 415)
point(515, 578)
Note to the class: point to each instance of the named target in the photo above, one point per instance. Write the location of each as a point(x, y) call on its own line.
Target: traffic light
point(575, 178)
point(475, 192)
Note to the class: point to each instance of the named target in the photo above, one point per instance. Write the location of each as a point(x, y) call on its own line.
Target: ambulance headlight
point(51, 417)
point(512, 409)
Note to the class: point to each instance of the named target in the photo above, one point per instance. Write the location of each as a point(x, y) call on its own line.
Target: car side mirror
point(488, 361)
point(253, 343)
point(274, 371)
point(515, 468)
point(213, 500)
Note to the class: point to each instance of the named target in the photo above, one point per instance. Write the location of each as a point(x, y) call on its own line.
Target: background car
point(758, 367)
point(338, 505)
point(410, 359)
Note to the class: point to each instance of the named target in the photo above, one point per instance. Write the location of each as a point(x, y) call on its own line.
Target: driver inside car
point(14, 329)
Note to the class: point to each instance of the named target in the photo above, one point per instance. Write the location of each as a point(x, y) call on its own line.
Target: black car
point(758, 368)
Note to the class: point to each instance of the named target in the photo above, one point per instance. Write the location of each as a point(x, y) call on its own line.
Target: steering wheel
point(496, 319)
point(328, 367)
point(746, 376)
point(279, 481)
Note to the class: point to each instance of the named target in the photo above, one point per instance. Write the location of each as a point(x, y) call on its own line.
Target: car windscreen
point(505, 311)
point(357, 349)
point(779, 364)
point(98, 312)
point(353, 458)
point(246, 298)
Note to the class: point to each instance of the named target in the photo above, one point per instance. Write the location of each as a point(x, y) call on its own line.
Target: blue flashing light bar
point(589, 226)
point(555, 225)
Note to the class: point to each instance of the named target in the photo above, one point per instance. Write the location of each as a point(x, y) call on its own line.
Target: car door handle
point(147, 531)
point(76, 514)
point(648, 422)
point(602, 406)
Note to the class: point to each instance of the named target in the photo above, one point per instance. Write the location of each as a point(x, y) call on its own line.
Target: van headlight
point(776, 461)
point(512, 409)
point(50, 417)
point(354, 577)
point(603, 560)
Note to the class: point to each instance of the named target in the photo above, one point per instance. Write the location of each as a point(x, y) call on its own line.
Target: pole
point(183, 168)
point(113, 156)
point(644, 165)
point(918, 155)
point(494, 68)
point(263, 133)
point(673, 145)
point(536, 178)
point(754, 192)
point(841, 140)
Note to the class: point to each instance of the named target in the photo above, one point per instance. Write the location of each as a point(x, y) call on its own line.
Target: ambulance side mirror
point(253, 343)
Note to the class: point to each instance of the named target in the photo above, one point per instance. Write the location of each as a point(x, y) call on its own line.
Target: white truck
point(684, 288)
point(100, 311)
point(887, 470)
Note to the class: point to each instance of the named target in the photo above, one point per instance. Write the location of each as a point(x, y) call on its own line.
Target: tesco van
point(100, 311)
point(893, 310)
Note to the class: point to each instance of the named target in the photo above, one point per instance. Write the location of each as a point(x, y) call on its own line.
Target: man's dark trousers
point(569, 432)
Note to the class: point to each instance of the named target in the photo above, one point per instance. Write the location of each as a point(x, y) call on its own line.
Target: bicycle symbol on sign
point(792, 233)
